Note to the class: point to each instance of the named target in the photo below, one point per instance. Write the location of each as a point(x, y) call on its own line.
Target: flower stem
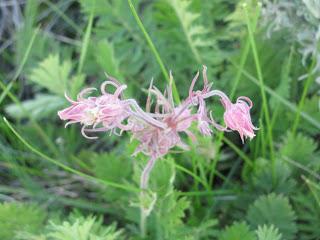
point(144, 182)
point(303, 97)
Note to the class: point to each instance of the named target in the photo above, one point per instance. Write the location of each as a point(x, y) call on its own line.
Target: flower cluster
point(159, 130)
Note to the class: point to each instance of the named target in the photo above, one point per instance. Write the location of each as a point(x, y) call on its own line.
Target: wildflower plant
point(159, 130)
point(52, 186)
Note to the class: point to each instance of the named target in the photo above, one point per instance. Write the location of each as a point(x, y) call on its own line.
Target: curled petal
point(245, 99)
point(104, 85)
point(70, 122)
point(83, 92)
point(119, 90)
point(69, 99)
point(149, 101)
point(83, 129)
point(194, 80)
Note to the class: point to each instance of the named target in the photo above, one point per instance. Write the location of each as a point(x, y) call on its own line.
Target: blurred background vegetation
point(55, 184)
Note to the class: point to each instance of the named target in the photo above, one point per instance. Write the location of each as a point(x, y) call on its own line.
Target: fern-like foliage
point(185, 39)
point(80, 228)
point(302, 149)
point(237, 231)
point(308, 214)
point(39, 107)
point(263, 181)
point(273, 210)
point(55, 76)
point(268, 233)
point(311, 107)
point(192, 32)
point(105, 56)
point(116, 24)
point(85, 229)
point(52, 74)
point(115, 168)
point(18, 217)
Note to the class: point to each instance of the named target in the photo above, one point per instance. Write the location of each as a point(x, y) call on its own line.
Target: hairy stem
point(144, 182)
point(144, 179)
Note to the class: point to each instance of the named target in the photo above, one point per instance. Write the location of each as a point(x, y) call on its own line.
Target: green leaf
point(311, 107)
point(117, 25)
point(186, 39)
point(43, 105)
point(52, 74)
point(84, 229)
point(112, 167)
point(16, 217)
point(263, 182)
point(169, 212)
point(104, 54)
point(237, 231)
point(80, 228)
point(302, 149)
point(273, 210)
point(162, 177)
point(308, 214)
point(268, 233)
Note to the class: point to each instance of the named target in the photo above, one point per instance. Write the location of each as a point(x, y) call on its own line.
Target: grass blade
point(155, 52)
point(85, 42)
point(261, 82)
point(65, 167)
point(303, 97)
point(21, 65)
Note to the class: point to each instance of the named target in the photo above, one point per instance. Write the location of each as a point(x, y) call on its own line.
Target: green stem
point(262, 88)
point(21, 65)
point(303, 97)
point(155, 52)
point(85, 42)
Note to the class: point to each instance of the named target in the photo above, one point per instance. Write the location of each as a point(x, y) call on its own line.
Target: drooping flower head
point(82, 111)
point(107, 112)
point(237, 116)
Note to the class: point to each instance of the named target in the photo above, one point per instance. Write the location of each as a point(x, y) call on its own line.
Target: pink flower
point(154, 141)
point(112, 110)
point(237, 116)
point(107, 111)
point(82, 110)
point(160, 130)
point(198, 98)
